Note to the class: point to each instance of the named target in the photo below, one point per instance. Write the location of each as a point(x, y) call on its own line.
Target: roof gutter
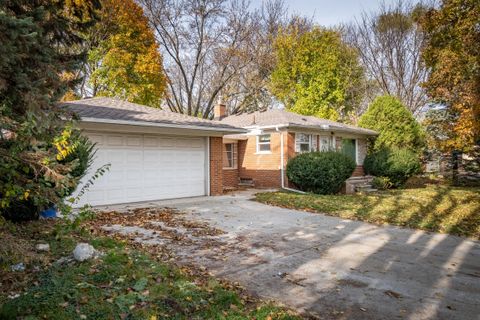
point(276, 127)
point(164, 125)
point(336, 128)
point(324, 127)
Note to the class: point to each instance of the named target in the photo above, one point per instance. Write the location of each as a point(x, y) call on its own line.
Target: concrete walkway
point(338, 269)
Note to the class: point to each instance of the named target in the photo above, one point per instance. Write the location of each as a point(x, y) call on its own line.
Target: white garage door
point(146, 167)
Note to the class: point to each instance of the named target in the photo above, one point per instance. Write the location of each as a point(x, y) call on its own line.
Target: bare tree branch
point(215, 49)
point(389, 43)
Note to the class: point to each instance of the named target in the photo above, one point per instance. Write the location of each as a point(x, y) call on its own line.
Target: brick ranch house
point(157, 154)
point(259, 157)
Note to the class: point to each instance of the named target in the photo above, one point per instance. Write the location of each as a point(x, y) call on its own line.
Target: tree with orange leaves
point(453, 54)
point(123, 60)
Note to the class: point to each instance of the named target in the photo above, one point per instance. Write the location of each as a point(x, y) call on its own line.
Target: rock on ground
point(42, 247)
point(84, 251)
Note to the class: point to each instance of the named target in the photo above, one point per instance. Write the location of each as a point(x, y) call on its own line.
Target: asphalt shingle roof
point(282, 117)
point(111, 109)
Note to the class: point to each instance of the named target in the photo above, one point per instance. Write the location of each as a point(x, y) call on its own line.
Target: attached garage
point(156, 155)
point(147, 167)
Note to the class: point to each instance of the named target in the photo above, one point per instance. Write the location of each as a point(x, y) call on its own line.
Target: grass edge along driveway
point(433, 208)
point(127, 282)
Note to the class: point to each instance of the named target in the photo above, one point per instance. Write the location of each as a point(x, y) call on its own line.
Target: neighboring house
point(259, 157)
point(154, 154)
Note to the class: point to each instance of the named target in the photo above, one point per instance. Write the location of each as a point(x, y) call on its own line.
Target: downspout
point(282, 170)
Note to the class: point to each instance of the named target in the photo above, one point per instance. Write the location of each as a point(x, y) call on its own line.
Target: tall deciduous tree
point(453, 54)
point(395, 124)
point(205, 45)
point(316, 73)
point(249, 90)
point(123, 59)
point(389, 43)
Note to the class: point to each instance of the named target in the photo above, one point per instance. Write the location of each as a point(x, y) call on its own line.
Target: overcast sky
point(332, 12)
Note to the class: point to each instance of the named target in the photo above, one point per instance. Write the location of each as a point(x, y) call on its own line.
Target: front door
point(349, 148)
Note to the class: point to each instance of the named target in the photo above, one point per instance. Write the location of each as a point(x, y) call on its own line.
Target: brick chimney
point(220, 111)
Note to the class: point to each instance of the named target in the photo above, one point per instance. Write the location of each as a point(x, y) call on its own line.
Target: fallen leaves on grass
point(132, 273)
point(444, 209)
point(160, 231)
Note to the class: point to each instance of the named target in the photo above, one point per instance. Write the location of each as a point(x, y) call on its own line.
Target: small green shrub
point(398, 165)
point(84, 152)
point(376, 163)
point(320, 172)
point(382, 183)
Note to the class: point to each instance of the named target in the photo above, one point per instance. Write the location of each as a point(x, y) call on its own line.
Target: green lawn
point(433, 208)
point(126, 283)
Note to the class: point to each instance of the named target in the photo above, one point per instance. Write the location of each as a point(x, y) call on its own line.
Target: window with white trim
point(263, 143)
point(314, 143)
point(303, 142)
point(325, 143)
point(230, 155)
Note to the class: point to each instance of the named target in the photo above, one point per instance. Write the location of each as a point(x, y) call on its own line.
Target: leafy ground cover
point(433, 208)
point(127, 282)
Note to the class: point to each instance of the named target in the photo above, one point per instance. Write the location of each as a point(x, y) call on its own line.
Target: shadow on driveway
point(334, 268)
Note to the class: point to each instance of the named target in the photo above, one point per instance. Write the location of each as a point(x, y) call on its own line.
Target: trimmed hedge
point(320, 172)
point(397, 165)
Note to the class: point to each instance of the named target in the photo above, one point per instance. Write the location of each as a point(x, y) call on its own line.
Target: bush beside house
point(320, 172)
point(394, 156)
point(395, 166)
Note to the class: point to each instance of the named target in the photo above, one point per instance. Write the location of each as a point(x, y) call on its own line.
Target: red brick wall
point(264, 169)
point(230, 178)
point(358, 172)
point(290, 153)
point(216, 166)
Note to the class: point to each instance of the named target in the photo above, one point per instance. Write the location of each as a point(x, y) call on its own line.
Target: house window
point(230, 156)
point(263, 143)
point(314, 143)
point(325, 144)
point(303, 142)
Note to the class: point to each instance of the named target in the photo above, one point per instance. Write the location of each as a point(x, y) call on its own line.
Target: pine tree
point(39, 50)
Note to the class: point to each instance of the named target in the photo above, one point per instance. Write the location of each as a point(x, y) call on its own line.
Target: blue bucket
point(49, 213)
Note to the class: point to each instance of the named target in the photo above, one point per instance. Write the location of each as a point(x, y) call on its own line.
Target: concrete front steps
point(359, 184)
point(243, 184)
point(246, 183)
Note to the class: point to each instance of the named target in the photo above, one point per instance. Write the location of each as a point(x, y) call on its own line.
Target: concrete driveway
point(337, 269)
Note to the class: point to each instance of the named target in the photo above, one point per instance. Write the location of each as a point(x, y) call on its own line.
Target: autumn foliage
point(124, 59)
point(453, 54)
point(316, 72)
